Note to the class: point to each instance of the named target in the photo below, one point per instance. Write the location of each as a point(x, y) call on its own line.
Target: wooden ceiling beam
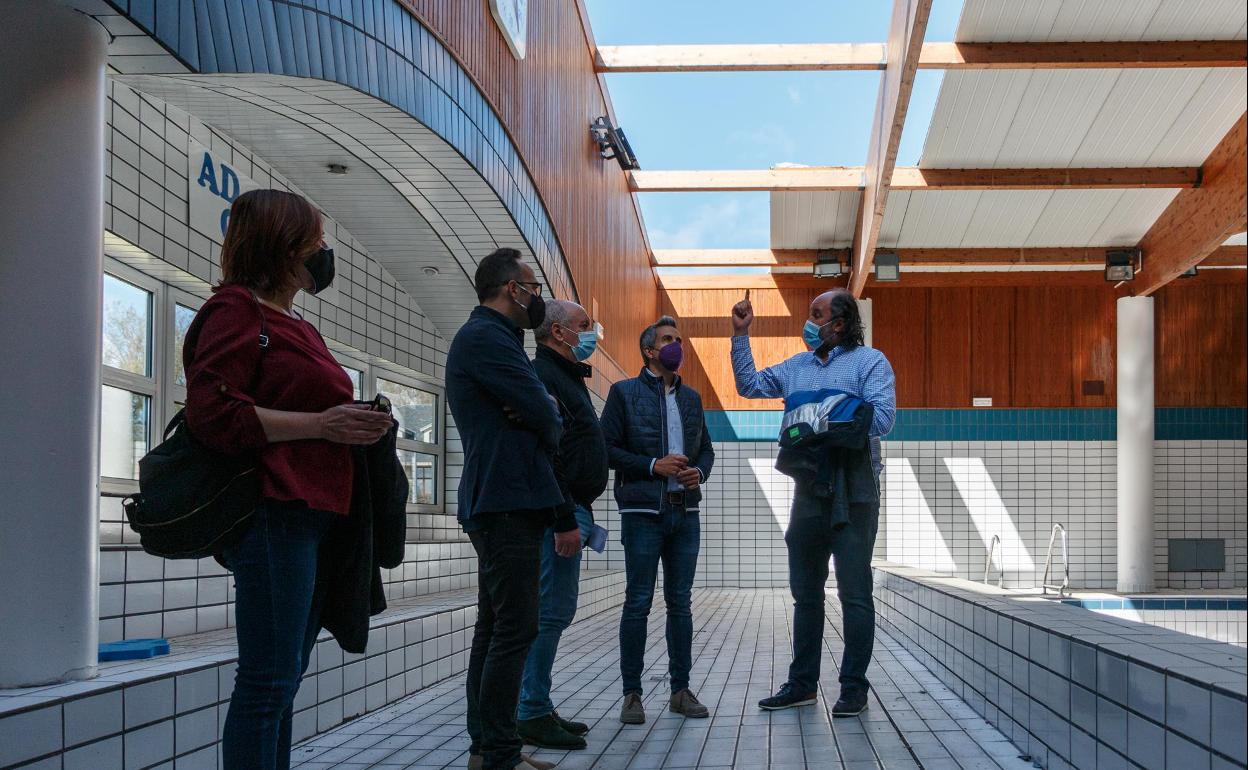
point(830, 57)
point(905, 42)
point(851, 178)
point(1197, 222)
point(1223, 256)
point(969, 279)
point(1167, 54)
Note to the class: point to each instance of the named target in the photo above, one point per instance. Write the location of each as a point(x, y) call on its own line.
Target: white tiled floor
point(741, 654)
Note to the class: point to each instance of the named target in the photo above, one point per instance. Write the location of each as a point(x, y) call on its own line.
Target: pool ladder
point(1064, 587)
point(992, 549)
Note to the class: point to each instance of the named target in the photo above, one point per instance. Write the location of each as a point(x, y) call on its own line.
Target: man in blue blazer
point(508, 495)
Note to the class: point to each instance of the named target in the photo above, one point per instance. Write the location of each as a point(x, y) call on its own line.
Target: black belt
point(675, 498)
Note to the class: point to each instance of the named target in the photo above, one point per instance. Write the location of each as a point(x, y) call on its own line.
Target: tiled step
point(169, 711)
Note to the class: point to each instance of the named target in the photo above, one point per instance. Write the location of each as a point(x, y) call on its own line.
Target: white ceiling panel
point(813, 220)
point(1101, 20)
point(1024, 218)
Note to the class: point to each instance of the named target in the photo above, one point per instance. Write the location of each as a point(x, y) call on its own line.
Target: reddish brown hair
point(271, 233)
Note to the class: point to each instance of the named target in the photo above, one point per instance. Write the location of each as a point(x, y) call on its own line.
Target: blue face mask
point(810, 334)
point(587, 343)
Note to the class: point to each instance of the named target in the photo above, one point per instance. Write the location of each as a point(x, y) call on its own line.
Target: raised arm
point(751, 383)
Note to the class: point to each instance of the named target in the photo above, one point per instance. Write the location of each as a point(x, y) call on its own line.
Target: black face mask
point(321, 267)
point(536, 308)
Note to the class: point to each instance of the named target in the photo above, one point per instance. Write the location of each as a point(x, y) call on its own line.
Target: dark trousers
point(812, 541)
point(277, 616)
point(509, 560)
point(673, 537)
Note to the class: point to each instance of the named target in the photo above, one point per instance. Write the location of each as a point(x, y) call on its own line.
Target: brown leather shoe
point(685, 702)
point(632, 712)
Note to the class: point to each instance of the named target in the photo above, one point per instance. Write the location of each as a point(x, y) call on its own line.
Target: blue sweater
point(507, 465)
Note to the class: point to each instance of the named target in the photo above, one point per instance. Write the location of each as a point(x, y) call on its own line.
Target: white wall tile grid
point(1230, 626)
point(944, 501)
point(1073, 688)
point(145, 713)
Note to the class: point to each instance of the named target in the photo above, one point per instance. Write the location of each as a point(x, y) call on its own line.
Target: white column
point(51, 225)
point(864, 311)
point(1135, 444)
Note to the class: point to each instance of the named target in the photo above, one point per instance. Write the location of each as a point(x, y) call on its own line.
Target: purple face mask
point(670, 355)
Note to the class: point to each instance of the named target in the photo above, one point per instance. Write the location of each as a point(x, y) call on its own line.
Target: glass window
point(355, 375)
point(127, 327)
point(124, 418)
point(422, 475)
point(182, 317)
point(415, 409)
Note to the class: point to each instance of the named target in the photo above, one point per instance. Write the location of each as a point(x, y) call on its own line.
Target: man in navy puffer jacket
point(660, 450)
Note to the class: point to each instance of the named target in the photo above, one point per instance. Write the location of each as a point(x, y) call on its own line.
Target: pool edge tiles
point(1065, 684)
point(1074, 424)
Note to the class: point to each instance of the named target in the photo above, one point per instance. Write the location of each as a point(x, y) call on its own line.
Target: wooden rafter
point(851, 178)
point(1223, 256)
point(1084, 278)
point(870, 56)
point(905, 41)
point(1198, 221)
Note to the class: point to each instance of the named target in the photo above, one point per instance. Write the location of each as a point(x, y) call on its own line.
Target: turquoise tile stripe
point(1173, 424)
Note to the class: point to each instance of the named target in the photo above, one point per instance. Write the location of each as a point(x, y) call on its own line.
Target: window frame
point(148, 386)
point(174, 392)
point(436, 448)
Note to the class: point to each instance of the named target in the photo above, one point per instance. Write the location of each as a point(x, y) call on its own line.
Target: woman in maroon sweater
point(292, 404)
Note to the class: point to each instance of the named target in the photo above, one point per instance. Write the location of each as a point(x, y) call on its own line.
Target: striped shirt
point(862, 371)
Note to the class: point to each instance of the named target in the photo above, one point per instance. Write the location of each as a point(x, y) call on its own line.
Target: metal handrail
point(1045, 585)
point(992, 549)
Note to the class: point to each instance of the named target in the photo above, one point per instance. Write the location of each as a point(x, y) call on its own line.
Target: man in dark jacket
point(660, 449)
point(508, 495)
point(564, 340)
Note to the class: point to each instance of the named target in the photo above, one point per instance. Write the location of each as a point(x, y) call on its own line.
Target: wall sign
point(214, 184)
point(512, 17)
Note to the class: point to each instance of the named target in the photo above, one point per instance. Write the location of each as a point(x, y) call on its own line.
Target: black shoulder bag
point(193, 501)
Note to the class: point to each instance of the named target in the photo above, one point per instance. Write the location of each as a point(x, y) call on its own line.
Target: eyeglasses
point(535, 291)
point(380, 404)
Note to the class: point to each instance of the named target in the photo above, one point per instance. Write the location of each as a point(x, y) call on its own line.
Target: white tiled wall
point(1202, 492)
point(944, 501)
point(1230, 626)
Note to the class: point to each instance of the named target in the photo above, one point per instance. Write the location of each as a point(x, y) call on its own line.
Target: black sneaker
point(850, 704)
point(788, 698)
point(545, 732)
point(576, 728)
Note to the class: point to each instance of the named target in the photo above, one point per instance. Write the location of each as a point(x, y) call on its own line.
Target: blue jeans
point(277, 614)
point(812, 541)
point(673, 537)
point(561, 586)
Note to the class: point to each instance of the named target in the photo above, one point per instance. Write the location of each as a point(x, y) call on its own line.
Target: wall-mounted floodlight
point(887, 266)
point(828, 263)
point(613, 144)
point(1120, 264)
point(336, 168)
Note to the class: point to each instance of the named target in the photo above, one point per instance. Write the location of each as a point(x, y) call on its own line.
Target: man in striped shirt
point(838, 359)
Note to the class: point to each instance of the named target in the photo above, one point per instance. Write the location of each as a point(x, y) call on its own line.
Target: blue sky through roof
point(740, 120)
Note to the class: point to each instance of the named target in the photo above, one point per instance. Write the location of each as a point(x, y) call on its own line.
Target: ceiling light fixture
point(613, 144)
point(336, 168)
point(828, 263)
point(1120, 264)
point(430, 271)
point(887, 266)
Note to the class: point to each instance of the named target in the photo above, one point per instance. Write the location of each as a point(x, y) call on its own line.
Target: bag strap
point(263, 341)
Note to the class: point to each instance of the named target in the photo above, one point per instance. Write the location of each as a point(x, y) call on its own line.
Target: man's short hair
point(499, 268)
point(651, 333)
point(558, 311)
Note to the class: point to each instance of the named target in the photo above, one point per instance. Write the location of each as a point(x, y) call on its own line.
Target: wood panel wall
point(546, 102)
point(1020, 346)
